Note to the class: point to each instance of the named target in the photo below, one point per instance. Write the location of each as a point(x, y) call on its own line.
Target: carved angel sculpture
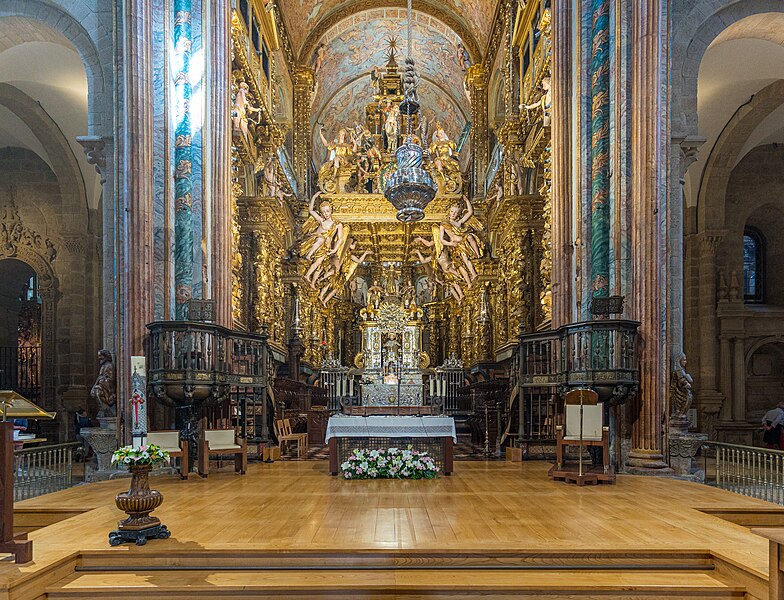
point(104, 388)
point(324, 236)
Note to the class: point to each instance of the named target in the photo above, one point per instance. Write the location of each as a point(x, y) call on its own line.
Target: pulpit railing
point(225, 375)
point(601, 355)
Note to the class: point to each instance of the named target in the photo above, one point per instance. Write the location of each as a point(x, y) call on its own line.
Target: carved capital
point(95, 151)
point(711, 240)
point(689, 149)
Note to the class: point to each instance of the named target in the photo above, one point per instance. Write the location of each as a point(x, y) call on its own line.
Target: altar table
point(436, 435)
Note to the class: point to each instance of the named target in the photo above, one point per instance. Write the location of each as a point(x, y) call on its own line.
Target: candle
point(351, 386)
point(432, 387)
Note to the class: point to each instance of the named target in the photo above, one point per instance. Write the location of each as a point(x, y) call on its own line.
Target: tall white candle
point(432, 386)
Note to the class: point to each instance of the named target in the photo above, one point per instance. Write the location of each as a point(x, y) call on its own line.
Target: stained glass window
point(753, 267)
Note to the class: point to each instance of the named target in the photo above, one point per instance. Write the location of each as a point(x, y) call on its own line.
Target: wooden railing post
point(19, 545)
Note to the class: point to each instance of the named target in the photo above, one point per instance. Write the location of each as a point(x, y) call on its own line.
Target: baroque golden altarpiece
point(313, 246)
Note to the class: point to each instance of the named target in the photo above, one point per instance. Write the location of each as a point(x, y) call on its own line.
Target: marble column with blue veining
point(183, 159)
point(600, 148)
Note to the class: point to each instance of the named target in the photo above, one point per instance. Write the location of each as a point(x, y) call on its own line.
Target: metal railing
point(755, 472)
point(43, 470)
point(20, 370)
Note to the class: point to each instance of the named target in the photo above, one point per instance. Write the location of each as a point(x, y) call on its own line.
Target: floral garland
point(149, 454)
point(392, 463)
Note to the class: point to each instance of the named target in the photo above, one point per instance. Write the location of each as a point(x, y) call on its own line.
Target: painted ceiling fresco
point(348, 108)
point(353, 47)
point(302, 16)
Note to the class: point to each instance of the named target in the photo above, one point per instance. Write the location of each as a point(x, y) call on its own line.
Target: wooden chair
point(594, 433)
point(222, 442)
point(285, 435)
point(170, 441)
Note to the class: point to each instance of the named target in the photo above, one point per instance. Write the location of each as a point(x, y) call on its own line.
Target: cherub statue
point(242, 106)
point(374, 294)
point(324, 236)
point(498, 193)
point(433, 263)
point(442, 149)
point(545, 102)
point(342, 272)
point(463, 58)
point(457, 237)
point(105, 386)
point(270, 177)
point(392, 128)
point(318, 58)
point(340, 151)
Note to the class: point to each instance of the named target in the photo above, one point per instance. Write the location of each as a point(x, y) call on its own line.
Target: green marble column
point(600, 148)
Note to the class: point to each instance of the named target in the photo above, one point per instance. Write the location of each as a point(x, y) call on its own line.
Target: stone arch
point(757, 344)
point(726, 152)
point(31, 250)
point(71, 28)
point(64, 164)
point(690, 40)
point(354, 6)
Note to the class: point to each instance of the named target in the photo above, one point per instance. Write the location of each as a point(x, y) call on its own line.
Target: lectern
point(583, 427)
point(13, 406)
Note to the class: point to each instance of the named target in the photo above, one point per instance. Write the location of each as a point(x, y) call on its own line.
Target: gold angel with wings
point(342, 270)
point(323, 236)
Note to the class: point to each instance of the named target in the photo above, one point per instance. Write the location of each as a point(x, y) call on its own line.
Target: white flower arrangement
point(149, 454)
point(392, 463)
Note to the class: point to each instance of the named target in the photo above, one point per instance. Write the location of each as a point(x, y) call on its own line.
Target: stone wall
point(66, 260)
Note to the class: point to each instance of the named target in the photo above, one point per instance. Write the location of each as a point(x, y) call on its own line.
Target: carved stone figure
point(324, 237)
point(104, 390)
point(681, 392)
point(239, 115)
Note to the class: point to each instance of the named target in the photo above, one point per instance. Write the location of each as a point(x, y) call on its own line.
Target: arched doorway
point(20, 330)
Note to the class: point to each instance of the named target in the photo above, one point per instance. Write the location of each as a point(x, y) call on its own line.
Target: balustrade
point(43, 470)
point(755, 472)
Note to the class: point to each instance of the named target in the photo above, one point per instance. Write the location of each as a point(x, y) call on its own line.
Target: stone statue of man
point(104, 390)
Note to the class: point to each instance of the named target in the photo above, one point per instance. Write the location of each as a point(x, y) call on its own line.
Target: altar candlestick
point(432, 386)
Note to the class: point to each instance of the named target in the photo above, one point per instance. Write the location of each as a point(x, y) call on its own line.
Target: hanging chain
point(408, 31)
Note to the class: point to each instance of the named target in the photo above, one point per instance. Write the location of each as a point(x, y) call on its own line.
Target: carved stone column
point(649, 31)
point(135, 217)
point(219, 164)
point(303, 97)
point(477, 80)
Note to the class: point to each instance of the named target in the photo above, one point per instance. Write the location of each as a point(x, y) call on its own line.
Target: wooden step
point(384, 583)
point(156, 557)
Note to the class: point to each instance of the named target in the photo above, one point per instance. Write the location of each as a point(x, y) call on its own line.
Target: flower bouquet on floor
point(392, 463)
point(139, 501)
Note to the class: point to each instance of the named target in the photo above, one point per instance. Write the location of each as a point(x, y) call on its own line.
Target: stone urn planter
point(138, 502)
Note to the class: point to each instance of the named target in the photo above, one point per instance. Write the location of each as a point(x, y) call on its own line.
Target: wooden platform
point(500, 529)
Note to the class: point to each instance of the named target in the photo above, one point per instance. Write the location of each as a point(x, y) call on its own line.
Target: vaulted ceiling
point(352, 37)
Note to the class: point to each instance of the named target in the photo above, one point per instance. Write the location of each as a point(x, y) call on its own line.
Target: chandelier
point(410, 188)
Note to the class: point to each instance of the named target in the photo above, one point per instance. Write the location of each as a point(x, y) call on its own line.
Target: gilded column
point(649, 299)
point(476, 80)
point(600, 148)
point(183, 160)
point(303, 97)
point(562, 276)
point(220, 187)
point(136, 230)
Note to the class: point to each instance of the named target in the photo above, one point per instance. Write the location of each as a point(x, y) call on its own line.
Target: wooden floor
point(510, 511)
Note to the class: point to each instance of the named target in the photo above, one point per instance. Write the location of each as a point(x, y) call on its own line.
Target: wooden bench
point(222, 442)
point(169, 440)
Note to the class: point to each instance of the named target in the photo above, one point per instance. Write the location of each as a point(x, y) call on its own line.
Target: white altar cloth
point(391, 427)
